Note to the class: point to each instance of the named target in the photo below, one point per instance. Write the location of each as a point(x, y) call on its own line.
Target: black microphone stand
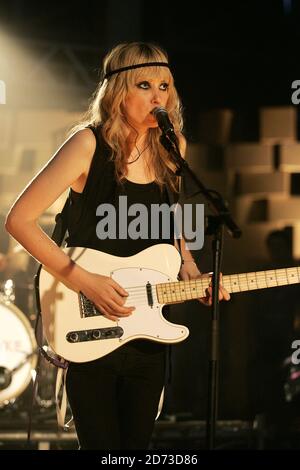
point(215, 228)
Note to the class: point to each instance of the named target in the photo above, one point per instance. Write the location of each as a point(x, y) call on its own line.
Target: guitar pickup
point(94, 334)
point(149, 294)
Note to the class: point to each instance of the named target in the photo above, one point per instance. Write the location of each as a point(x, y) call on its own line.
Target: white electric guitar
point(78, 332)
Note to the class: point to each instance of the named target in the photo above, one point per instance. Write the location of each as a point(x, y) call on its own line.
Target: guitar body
point(79, 333)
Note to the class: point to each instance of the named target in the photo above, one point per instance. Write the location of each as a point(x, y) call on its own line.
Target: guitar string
point(240, 282)
point(188, 290)
point(176, 284)
point(170, 290)
point(176, 289)
point(240, 279)
point(139, 297)
point(201, 283)
point(142, 291)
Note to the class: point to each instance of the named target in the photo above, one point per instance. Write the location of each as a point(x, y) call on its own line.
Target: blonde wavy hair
point(105, 109)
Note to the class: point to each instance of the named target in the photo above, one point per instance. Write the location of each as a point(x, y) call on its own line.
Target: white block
point(249, 157)
point(284, 209)
point(290, 158)
point(278, 124)
point(263, 184)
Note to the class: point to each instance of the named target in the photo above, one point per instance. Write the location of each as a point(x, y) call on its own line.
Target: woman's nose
point(155, 97)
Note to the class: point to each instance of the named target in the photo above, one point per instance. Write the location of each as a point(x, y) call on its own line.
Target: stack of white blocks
point(255, 177)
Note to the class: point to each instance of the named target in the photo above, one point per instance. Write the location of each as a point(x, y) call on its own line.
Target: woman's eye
point(164, 86)
point(143, 85)
point(146, 85)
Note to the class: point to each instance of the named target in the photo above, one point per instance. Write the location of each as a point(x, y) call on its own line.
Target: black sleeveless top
point(102, 188)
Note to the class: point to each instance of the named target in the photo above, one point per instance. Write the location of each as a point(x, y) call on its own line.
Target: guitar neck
point(181, 291)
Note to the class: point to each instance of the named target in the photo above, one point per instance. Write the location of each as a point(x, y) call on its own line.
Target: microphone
point(164, 123)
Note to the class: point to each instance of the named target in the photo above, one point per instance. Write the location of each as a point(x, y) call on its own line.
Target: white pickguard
point(145, 320)
point(61, 312)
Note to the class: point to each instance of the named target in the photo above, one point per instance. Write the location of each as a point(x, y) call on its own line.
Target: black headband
point(136, 66)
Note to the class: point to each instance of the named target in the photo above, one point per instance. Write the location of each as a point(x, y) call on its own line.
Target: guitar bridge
point(87, 307)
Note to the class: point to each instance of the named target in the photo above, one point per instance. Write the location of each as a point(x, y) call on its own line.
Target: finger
point(221, 293)
point(184, 276)
point(209, 294)
point(205, 301)
point(118, 288)
point(117, 313)
point(117, 298)
point(225, 293)
point(119, 309)
point(111, 317)
point(109, 312)
point(106, 314)
point(208, 298)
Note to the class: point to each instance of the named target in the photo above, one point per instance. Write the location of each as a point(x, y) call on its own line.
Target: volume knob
point(73, 337)
point(96, 334)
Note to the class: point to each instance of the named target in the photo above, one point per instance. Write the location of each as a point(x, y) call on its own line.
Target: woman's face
point(147, 92)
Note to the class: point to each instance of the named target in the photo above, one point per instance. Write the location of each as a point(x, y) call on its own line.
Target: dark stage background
point(234, 64)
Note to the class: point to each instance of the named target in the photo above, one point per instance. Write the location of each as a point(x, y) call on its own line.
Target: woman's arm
point(70, 163)
point(66, 167)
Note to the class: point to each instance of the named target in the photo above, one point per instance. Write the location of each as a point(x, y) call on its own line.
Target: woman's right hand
point(107, 295)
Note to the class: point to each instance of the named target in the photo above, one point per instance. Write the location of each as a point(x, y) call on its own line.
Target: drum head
point(17, 345)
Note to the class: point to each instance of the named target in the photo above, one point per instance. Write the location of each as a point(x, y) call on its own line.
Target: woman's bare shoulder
point(85, 141)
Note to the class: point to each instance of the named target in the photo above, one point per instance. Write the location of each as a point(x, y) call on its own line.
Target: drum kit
point(19, 352)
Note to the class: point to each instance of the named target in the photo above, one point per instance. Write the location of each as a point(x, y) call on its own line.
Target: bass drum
point(18, 349)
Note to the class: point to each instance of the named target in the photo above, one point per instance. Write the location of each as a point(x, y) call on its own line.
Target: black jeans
point(114, 400)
